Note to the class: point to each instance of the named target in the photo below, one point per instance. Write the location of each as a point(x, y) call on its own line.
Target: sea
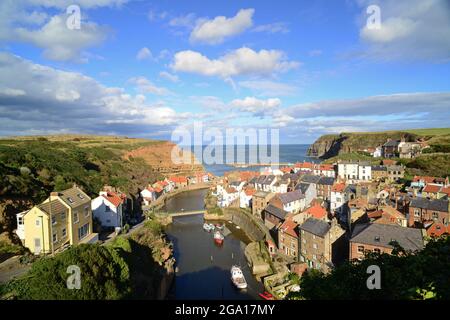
point(218, 164)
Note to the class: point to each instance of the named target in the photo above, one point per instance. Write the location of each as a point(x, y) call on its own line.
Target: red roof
point(115, 199)
point(317, 211)
point(338, 187)
point(289, 227)
point(178, 179)
point(437, 229)
point(432, 188)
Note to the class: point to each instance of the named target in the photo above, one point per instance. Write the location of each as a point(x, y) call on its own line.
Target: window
point(360, 249)
point(75, 217)
point(64, 232)
point(55, 237)
point(83, 231)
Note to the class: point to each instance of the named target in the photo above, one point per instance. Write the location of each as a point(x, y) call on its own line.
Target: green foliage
point(423, 275)
point(104, 275)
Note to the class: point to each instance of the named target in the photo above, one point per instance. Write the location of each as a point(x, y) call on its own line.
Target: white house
point(148, 195)
point(108, 208)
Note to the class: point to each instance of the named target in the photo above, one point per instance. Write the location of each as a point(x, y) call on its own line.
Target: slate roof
point(382, 234)
point(326, 181)
point(316, 227)
point(436, 204)
point(291, 196)
point(275, 211)
point(308, 178)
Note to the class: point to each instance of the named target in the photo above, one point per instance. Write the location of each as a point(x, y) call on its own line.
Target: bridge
point(186, 213)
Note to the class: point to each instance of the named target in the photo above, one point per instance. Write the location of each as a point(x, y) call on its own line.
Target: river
point(204, 267)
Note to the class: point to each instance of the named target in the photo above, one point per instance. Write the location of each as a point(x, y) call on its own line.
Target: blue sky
point(142, 68)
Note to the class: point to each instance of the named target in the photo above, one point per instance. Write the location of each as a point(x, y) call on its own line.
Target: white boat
point(207, 227)
point(218, 237)
point(237, 277)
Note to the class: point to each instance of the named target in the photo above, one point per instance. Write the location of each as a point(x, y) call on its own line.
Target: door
point(37, 246)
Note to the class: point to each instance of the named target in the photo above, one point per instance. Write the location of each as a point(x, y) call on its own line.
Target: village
point(311, 216)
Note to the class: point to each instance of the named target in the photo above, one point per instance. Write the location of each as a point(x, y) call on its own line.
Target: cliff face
point(328, 146)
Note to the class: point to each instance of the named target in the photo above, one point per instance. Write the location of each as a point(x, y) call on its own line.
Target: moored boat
point(218, 237)
point(237, 277)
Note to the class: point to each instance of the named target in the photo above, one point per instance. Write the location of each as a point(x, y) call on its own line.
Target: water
point(204, 267)
point(288, 153)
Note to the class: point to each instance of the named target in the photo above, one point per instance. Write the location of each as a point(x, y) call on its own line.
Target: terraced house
point(64, 219)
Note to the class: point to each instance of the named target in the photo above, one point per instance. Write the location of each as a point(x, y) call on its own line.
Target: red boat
point(266, 296)
point(218, 237)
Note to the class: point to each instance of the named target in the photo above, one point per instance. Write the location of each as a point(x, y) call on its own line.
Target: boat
point(237, 277)
point(218, 237)
point(207, 227)
point(266, 296)
point(219, 226)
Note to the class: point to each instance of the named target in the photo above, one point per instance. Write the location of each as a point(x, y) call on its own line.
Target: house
point(316, 211)
point(354, 170)
point(395, 172)
point(109, 208)
point(62, 220)
point(422, 210)
point(273, 216)
point(325, 170)
point(245, 197)
point(309, 191)
point(148, 195)
point(324, 186)
point(179, 182)
point(380, 238)
point(322, 244)
point(388, 215)
point(390, 149)
point(379, 173)
point(408, 150)
point(293, 201)
point(288, 237)
point(260, 200)
point(338, 198)
point(227, 197)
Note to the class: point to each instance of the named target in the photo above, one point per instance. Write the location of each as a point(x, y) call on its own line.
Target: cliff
point(328, 146)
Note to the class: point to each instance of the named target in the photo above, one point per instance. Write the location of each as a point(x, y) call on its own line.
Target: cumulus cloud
point(413, 29)
point(243, 61)
point(43, 98)
point(215, 31)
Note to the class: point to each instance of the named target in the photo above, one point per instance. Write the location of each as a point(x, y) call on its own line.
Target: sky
point(145, 68)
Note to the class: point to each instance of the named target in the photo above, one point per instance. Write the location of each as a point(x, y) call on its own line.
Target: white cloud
point(58, 100)
point(169, 76)
point(243, 61)
point(410, 30)
point(144, 54)
point(271, 28)
point(215, 31)
point(146, 86)
point(254, 105)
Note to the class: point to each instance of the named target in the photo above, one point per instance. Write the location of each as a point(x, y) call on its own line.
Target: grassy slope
point(31, 167)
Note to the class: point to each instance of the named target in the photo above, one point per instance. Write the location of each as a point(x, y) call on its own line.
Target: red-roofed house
point(288, 236)
point(245, 197)
point(109, 208)
point(315, 211)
